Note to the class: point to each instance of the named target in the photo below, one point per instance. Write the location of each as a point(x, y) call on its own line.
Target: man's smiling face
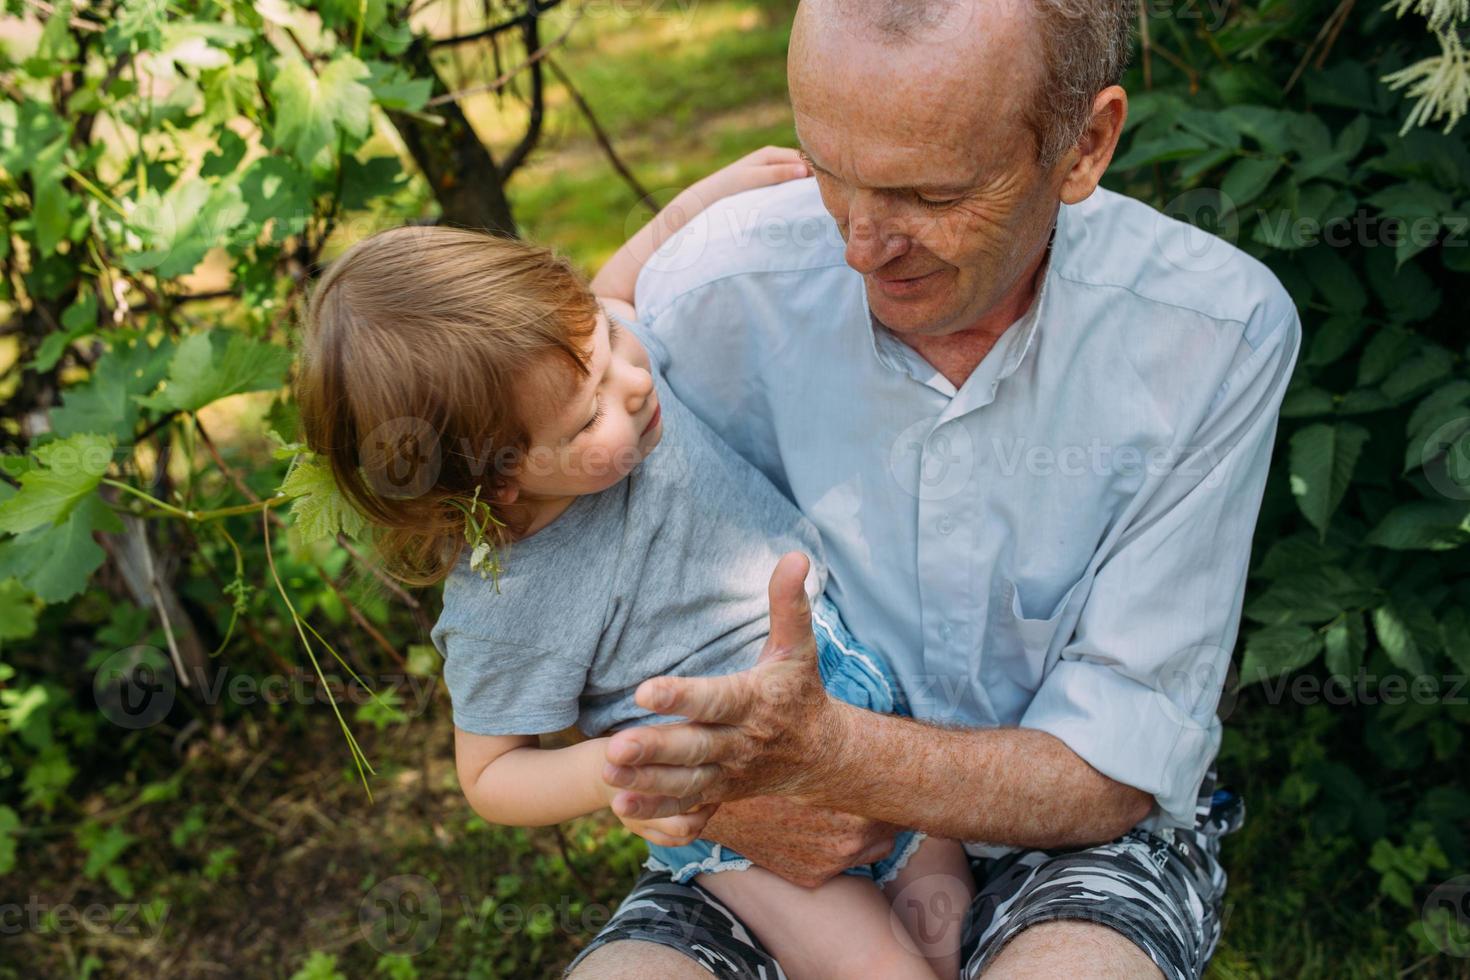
point(923, 156)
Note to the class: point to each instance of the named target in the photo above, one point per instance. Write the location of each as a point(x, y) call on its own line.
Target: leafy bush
point(1275, 132)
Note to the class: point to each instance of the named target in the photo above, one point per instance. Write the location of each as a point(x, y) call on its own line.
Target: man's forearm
point(1012, 786)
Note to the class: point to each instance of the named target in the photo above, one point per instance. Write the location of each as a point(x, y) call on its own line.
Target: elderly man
point(1032, 420)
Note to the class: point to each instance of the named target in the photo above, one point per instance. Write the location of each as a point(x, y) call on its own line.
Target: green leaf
point(185, 222)
point(1399, 626)
point(216, 364)
point(1334, 280)
point(1386, 349)
point(1322, 461)
point(1417, 373)
point(1424, 525)
point(320, 510)
point(1346, 640)
point(52, 205)
point(1248, 178)
point(107, 402)
point(55, 562)
point(1335, 337)
point(278, 191)
point(17, 613)
point(70, 470)
point(1174, 146)
point(1454, 631)
point(10, 827)
point(311, 110)
point(393, 88)
point(1275, 650)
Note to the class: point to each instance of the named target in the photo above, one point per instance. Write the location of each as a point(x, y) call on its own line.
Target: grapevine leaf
point(215, 364)
point(179, 226)
point(70, 470)
point(17, 612)
point(311, 109)
point(320, 510)
point(55, 562)
point(106, 403)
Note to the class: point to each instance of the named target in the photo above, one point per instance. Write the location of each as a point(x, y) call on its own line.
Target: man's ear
point(1094, 151)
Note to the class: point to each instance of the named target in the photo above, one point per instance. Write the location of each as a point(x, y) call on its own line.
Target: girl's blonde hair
point(415, 342)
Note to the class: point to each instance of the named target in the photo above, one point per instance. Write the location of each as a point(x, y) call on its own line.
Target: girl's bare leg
point(842, 929)
point(931, 896)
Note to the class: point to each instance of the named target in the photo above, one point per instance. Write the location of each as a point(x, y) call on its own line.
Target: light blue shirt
point(1061, 543)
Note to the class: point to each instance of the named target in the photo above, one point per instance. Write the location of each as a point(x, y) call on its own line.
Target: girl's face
point(597, 431)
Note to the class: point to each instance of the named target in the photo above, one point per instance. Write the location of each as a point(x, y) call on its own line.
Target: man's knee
point(1067, 948)
point(632, 959)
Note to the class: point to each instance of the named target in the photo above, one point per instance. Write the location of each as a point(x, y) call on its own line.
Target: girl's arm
point(768, 165)
point(511, 780)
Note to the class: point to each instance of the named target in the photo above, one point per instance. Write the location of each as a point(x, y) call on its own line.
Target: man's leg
point(1143, 905)
point(1071, 949)
point(633, 959)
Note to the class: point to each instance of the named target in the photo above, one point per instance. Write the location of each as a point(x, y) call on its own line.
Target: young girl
point(470, 389)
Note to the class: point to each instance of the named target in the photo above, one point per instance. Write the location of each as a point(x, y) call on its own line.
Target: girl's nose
point(640, 385)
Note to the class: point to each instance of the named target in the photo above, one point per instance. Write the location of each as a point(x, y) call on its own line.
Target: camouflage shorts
point(1163, 890)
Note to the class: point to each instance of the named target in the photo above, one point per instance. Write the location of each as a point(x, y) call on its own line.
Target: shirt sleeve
point(1134, 691)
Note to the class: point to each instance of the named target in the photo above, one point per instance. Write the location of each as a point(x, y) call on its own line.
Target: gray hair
point(1086, 45)
point(1085, 48)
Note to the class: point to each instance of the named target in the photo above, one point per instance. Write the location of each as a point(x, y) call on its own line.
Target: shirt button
point(945, 631)
point(945, 524)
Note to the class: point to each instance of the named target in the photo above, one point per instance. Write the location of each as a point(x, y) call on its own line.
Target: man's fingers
point(791, 613)
point(671, 745)
point(661, 780)
point(641, 806)
point(725, 699)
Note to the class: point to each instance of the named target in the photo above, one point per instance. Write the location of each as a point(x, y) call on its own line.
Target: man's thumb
point(791, 613)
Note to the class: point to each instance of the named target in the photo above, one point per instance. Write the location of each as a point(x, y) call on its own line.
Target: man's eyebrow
point(958, 188)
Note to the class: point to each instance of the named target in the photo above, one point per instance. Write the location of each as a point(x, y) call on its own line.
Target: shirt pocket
point(1017, 649)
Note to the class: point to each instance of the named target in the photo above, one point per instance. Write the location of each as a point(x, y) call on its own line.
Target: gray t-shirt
point(663, 573)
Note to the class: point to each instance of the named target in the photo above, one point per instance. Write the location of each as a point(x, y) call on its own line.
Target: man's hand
point(770, 730)
point(806, 845)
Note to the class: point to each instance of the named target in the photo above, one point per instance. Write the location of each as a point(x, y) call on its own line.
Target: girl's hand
point(766, 166)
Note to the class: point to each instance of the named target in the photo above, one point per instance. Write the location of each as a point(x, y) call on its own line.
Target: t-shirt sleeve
point(504, 686)
point(516, 658)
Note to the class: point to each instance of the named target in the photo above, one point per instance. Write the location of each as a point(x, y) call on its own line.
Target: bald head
point(1055, 55)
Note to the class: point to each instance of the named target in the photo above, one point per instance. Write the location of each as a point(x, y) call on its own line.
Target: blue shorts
point(857, 675)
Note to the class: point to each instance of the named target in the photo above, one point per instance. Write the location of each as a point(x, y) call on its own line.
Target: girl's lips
point(658, 413)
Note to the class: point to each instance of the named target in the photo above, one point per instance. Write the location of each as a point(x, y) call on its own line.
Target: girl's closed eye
point(595, 419)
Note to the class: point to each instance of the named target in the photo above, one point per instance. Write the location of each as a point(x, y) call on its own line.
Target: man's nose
point(873, 239)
